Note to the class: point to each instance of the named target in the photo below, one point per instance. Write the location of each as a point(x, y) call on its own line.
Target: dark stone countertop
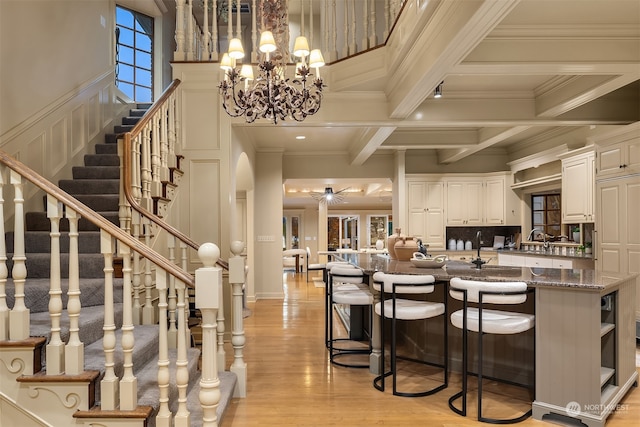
point(583, 279)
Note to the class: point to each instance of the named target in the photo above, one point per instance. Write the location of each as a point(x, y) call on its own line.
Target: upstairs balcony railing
point(340, 28)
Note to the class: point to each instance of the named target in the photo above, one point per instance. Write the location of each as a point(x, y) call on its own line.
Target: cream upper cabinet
point(620, 158)
point(578, 183)
point(464, 201)
point(425, 200)
point(502, 205)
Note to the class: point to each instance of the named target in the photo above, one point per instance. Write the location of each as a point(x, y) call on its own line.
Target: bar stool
point(329, 285)
point(407, 309)
point(486, 321)
point(347, 287)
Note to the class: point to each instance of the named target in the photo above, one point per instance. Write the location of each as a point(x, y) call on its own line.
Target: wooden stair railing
point(117, 394)
point(148, 155)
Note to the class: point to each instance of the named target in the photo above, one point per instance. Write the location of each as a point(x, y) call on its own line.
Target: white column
point(208, 282)
point(322, 231)
point(237, 276)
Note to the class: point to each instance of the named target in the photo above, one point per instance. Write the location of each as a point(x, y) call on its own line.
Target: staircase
point(97, 185)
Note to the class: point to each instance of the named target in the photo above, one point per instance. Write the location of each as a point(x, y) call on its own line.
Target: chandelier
point(271, 95)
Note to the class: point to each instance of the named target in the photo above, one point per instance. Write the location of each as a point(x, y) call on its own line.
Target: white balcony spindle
point(145, 169)
point(164, 416)
point(204, 48)
point(373, 40)
point(19, 315)
point(109, 383)
point(74, 351)
point(136, 184)
point(128, 383)
point(352, 45)
point(55, 347)
point(179, 54)
point(156, 186)
point(365, 24)
point(237, 277)
point(387, 24)
point(208, 281)
point(164, 143)
point(189, 42)
point(254, 33)
point(214, 32)
point(4, 272)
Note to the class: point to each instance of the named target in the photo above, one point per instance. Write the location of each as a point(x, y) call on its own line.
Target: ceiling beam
point(370, 140)
point(488, 137)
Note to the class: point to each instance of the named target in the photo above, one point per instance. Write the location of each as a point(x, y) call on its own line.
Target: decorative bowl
point(424, 262)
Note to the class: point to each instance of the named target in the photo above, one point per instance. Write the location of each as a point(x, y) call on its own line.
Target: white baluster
point(254, 34)
point(124, 210)
point(183, 417)
point(136, 309)
point(237, 276)
point(373, 41)
point(365, 25)
point(156, 186)
point(179, 54)
point(214, 30)
point(164, 143)
point(171, 137)
point(4, 272)
point(164, 417)
point(333, 54)
point(145, 169)
point(183, 264)
point(386, 19)
point(74, 351)
point(173, 331)
point(55, 348)
point(190, 31)
point(128, 383)
point(109, 383)
point(310, 22)
point(148, 311)
point(19, 315)
point(345, 35)
point(208, 281)
point(352, 46)
point(204, 49)
point(136, 183)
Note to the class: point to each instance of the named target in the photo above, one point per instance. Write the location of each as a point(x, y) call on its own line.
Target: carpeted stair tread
point(90, 186)
point(37, 293)
point(110, 148)
point(131, 120)
point(100, 202)
point(96, 172)
point(145, 348)
point(101, 160)
point(40, 241)
point(148, 393)
point(228, 382)
point(111, 138)
point(137, 112)
point(91, 319)
point(39, 265)
point(38, 221)
point(122, 128)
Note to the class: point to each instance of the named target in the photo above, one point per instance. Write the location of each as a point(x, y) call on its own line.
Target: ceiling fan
point(328, 196)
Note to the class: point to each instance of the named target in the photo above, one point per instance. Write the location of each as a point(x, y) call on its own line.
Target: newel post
point(208, 284)
point(236, 278)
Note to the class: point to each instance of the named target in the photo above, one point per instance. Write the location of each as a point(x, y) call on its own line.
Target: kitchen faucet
point(545, 244)
point(478, 261)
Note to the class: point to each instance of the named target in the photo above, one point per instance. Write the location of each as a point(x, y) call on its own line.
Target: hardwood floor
point(291, 383)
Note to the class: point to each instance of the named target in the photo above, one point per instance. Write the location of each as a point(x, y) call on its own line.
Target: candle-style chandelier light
point(271, 95)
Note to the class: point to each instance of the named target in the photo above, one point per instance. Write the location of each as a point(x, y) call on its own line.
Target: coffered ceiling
point(516, 74)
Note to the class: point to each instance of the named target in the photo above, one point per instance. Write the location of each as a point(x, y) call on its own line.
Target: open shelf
point(606, 327)
point(608, 392)
point(605, 374)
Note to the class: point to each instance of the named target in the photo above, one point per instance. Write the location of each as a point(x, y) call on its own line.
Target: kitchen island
point(585, 333)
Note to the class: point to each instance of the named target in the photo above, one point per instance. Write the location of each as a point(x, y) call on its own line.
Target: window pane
point(126, 36)
point(143, 77)
point(553, 201)
point(124, 17)
point(127, 88)
point(125, 73)
point(143, 94)
point(143, 42)
point(553, 217)
point(144, 24)
point(125, 55)
point(143, 60)
point(538, 202)
point(538, 219)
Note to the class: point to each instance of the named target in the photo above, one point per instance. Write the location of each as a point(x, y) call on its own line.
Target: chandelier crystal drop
point(271, 95)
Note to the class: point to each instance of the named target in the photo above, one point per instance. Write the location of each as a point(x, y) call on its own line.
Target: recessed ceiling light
point(301, 137)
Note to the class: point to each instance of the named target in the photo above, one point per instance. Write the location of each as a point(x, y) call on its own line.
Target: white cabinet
point(542, 262)
point(425, 201)
point(619, 158)
point(578, 184)
point(562, 263)
point(502, 205)
point(514, 260)
point(464, 201)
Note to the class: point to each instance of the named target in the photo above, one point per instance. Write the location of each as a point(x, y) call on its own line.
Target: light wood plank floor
point(291, 382)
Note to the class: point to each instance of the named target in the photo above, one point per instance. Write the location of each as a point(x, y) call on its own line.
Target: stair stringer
point(13, 414)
